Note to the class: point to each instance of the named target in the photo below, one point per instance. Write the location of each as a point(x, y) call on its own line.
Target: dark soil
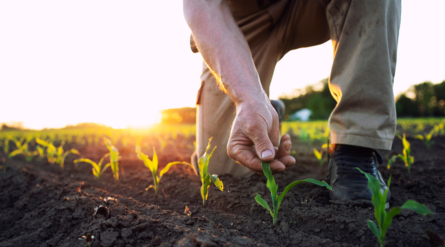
point(44, 205)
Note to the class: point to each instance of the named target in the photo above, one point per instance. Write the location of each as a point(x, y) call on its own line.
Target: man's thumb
point(264, 148)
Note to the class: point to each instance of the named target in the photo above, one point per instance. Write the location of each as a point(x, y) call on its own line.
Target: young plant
point(383, 218)
point(207, 179)
point(51, 150)
point(114, 157)
point(40, 151)
point(60, 155)
point(22, 148)
point(427, 138)
point(97, 167)
point(391, 161)
point(53, 154)
point(273, 187)
point(153, 166)
point(406, 157)
point(319, 156)
point(88, 239)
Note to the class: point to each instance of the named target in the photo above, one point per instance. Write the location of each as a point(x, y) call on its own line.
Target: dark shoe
point(347, 183)
point(279, 107)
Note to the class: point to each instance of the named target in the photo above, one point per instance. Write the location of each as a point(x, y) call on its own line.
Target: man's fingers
point(285, 147)
point(288, 161)
point(247, 157)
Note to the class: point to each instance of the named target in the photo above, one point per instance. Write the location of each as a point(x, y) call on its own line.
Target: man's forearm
point(224, 48)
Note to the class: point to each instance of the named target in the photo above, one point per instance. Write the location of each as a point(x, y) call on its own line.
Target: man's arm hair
point(224, 48)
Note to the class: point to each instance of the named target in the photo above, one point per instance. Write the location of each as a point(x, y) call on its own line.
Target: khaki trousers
point(364, 34)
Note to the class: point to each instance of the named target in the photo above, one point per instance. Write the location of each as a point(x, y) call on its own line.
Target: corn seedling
point(391, 161)
point(206, 178)
point(51, 150)
point(53, 154)
point(153, 166)
point(88, 239)
point(383, 218)
point(60, 155)
point(273, 187)
point(114, 157)
point(22, 148)
point(427, 138)
point(406, 156)
point(97, 167)
point(439, 129)
point(187, 211)
point(40, 151)
point(319, 156)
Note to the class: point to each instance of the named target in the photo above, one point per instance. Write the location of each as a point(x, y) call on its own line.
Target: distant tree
point(439, 93)
point(321, 103)
point(12, 126)
point(406, 107)
point(425, 98)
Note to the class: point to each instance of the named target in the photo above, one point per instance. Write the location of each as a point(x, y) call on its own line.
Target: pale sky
point(120, 62)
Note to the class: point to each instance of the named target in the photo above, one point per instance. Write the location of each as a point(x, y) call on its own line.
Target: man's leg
point(364, 35)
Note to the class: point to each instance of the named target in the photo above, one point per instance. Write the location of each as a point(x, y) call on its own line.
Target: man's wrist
point(257, 98)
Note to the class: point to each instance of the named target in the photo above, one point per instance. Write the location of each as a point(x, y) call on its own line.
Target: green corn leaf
point(204, 188)
point(40, 151)
point(263, 203)
point(374, 229)
point(416, 207)
point(218, 183)
point(374, 185)
point(147, 162)
point(155, 161)
point(105, 168)
point(402, 157)
point(388, 219)
point(201, 162)
point(17, 143)
point(102, 159)
point(95, 173)
point(406, 144)
point(391, 161)
point(95, 166)
point(317, 154)
point(207, 160)
point(420, 137)
point(169, 165)
point(15, 152)
point(291, 185)
point(271, 185)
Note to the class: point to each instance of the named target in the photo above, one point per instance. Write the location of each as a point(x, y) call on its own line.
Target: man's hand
point(255, 138)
